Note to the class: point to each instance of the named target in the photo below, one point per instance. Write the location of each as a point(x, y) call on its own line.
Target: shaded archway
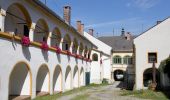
point(118, 75)
point(17, 20)
point(20, 83)
point(42, 81)
point(68, 78)
point(89, 54)
point(148, 77)
point(82, 77)
point(75, 46)
point(41, 31)
point(57, 80)
point(56, 38)
point(75, 77)
point(85, 51)
point(66, 42)
point(81, 48)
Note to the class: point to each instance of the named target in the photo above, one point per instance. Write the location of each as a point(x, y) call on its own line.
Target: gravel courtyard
point(109, 92)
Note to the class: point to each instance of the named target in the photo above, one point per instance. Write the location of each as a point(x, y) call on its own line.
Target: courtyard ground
point(102, 92)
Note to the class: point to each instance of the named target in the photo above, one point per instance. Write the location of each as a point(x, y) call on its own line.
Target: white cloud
point(142, 4)
point(115, 23)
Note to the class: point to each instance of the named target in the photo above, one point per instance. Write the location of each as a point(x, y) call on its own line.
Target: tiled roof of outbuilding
point(118, 43)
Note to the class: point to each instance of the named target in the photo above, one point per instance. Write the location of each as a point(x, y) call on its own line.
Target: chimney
point(79, 26)
point(128, 36)
point(91, 31)
point(82, 28)
point(67, 14)
point(158, 22)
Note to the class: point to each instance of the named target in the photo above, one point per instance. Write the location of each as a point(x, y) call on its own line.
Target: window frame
point(156, 59)
point(117, 60)
point(128, 59)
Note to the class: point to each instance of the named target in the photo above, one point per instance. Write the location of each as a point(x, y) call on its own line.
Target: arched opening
point(68, 78)
point(17, 20)
point(148, 77)
point(127, 60)
point(75, 77)
point(20, 82)
point(66, 42)
point(75, 46)
point(117, 60)
point(57, 80)
point(82, 77)
point(41, 31)
point(56, 38)
point(95, 57)
point(81, 48)
point(85, 51)
point(42, 81)
point(89, 53)
point(118, 75)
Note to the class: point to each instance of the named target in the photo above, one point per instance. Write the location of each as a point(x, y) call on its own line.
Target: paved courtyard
point(110, 92)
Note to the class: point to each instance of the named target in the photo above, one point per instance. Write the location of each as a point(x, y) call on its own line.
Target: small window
point(127, 60)
point(152, 57)
point(95, 57)
point(117, 60)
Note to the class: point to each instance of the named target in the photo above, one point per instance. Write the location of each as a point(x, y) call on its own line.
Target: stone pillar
point(2, 19)
point(78, 48)
point(49, 39)
point(31, 33)
point(71, 47)
point(61, 44)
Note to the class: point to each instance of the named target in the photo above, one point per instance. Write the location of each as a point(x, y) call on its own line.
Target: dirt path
point(110, 92)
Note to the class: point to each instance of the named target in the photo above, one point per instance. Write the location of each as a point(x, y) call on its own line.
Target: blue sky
point(105, 15)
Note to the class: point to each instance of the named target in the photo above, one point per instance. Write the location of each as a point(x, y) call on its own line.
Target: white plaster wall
point(12, 52)
point(154, 40)
point(96, 70)
point(68, 84)
point(82, 81)
point(42, 81)
point(76, 80)
point(121, 66)
point(101, 45)
point(106, 67)
point(57, 80)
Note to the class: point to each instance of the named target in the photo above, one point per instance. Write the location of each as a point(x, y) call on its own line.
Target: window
point(117, 60)
point(127, 60)
point(95, 57)
point(152, 57)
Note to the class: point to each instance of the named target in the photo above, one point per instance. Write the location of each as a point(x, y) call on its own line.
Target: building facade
point(121, 58)
point(101, 59)
point(40, 52)
point(152, 47)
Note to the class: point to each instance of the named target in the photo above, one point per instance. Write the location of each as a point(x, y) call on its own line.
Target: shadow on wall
point(45, 55)
point(58, 57)
point(26, 52)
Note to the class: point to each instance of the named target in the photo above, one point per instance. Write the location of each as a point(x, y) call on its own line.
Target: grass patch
point(54, 97)
point(145, 94)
